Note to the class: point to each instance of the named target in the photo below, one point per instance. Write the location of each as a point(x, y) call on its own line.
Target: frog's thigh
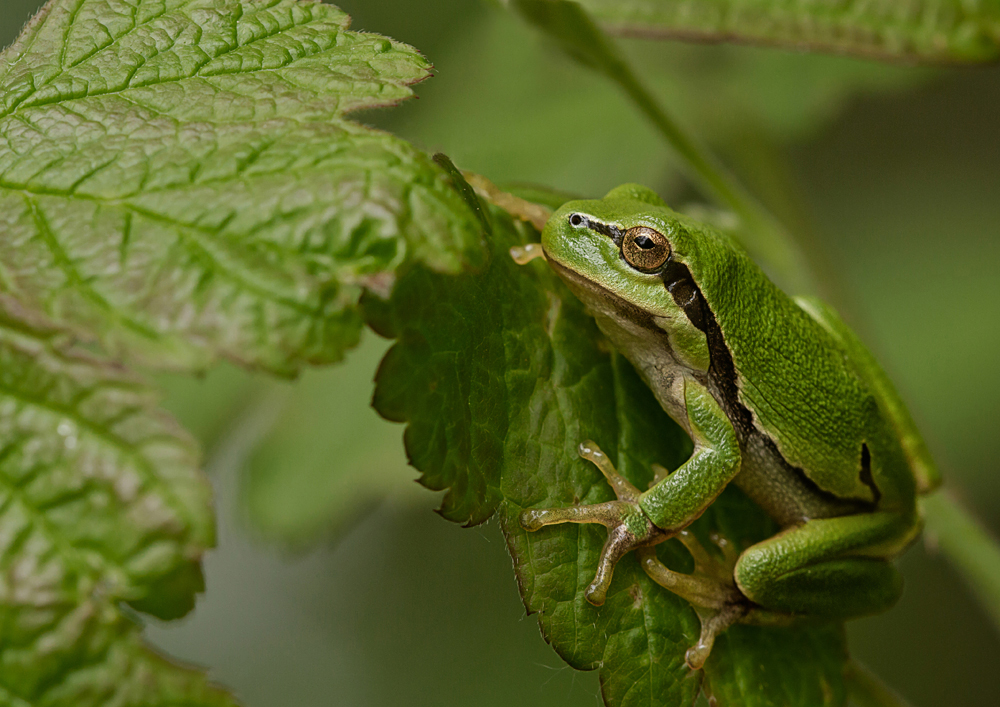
point(829, 567)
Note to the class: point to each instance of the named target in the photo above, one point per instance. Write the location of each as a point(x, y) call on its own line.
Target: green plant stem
point(969, 546)
point(761, 233)
point(866, 690)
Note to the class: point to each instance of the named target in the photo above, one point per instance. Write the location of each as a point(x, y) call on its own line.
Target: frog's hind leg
point(710, 589)
point(628, 527)
point(833, 568)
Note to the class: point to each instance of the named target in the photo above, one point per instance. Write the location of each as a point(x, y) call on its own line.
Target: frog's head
point(616, 249)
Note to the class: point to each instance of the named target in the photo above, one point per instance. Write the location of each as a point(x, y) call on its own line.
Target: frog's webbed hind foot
point(713, 623)
point(710, 589)
point(628, 526)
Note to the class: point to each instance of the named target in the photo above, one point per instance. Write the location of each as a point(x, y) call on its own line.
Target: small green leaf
point(101, 502)
point(941, 31)
point(177, 178)
point(500, 376)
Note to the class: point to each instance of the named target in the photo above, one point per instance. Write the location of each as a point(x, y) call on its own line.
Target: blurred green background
point(335, 584)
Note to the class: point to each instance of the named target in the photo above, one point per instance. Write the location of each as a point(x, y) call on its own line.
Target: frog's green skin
point(780, 398)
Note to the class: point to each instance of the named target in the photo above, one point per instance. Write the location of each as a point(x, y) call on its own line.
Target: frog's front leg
point(637, 519)
point(628, 527)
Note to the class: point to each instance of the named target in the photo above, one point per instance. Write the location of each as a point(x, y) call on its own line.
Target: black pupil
point(644, 242)
point(575, 220)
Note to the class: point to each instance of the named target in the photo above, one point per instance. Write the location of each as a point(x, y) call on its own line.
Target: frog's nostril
point(576, 220)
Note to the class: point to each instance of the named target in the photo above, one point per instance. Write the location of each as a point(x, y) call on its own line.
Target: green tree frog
point(779, 396)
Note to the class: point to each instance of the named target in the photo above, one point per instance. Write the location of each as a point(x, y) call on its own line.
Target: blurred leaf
point(101, 502)
point(907, 30)
point(503, 103)
point(866, 690)
point(208, 405)
point(178, 180)
point(328, 457)
point(499, 377)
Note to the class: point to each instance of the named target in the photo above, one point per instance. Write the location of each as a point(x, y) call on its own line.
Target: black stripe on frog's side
point(722, 373)
point(866, 473)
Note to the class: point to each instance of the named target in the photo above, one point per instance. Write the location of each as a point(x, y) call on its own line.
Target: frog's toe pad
point(713, 622)
point(533, 519)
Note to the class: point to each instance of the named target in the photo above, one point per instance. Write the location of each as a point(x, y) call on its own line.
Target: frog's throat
point(600, 298)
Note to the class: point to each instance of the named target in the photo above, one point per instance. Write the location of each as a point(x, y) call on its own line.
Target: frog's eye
point(577, 220)
point(645, 249)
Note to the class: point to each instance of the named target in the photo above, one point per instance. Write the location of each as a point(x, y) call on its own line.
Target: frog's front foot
point(628, 527)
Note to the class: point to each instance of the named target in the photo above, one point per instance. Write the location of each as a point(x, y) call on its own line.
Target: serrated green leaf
point(101, 502)
point(110, 667)
point(177, 178)
point(907, 30)
point(639, 637)
point(499, 377)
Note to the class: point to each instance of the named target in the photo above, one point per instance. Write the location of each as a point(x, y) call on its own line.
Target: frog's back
point(800, 380)
point(922, 465)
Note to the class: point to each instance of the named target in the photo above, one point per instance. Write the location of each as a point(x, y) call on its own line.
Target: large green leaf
point(177, 178)
point(499, 377)
point(101, 502)
point(907, 30)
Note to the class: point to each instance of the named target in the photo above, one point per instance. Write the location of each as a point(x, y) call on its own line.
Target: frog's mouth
point(600, 300)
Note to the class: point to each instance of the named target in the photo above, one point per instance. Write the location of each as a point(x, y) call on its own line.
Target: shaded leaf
point(499, 377)
point(737, 677)
point(177, 178)
point(101, 502)
point(903, 30)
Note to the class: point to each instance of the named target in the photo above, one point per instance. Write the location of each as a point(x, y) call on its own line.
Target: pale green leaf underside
point(101, 501)
point(908, 30)
point(177, 176)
